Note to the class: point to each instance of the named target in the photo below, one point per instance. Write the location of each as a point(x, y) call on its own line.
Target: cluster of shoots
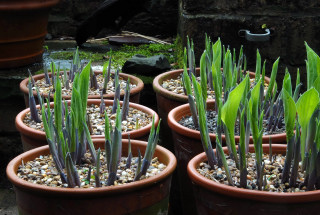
point(249, 106)
point(69, 77)
point(223, 81)
point(68, 135)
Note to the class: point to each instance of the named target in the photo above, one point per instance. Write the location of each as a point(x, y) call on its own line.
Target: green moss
point(125, 52)
point(178, 52)
point(68, 55)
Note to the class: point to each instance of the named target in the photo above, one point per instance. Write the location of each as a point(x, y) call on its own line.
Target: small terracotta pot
point(32, 138)
point(148, 196)
point(216, 198)
point(23, 27)
point(134, 93)
point(187, 144)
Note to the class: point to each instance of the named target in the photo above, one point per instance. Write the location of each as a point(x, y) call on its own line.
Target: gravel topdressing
point(45, 88)
point(42, 171)
point(212, 124)
point(136, 119)
point(272, 172)
point(175, 85)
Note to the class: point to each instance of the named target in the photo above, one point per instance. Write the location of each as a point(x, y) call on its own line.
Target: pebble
point(97, 120)
point(52, 178)
point(272, 172)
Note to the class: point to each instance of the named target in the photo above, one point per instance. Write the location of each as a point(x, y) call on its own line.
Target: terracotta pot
point(134, 93)
point(187, 144)
point(32, 138)
point(23, 27)
point(148, 196)
point(216, 198)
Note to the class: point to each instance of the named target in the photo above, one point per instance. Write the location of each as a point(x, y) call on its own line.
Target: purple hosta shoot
point(187, 87)
point(32, 105)
point(66, 80)
point(151, 147)
point(102, 104)
point(116, 78)
point(116, 145)
point(225, 164)
point(107, 131)
point(46, 75)
point(97, 173)
point(129, 158)
point(93, 80)
point(125, 104)
point(116, 98)
point(242, 152)
point(106, 75)
point(295, 166)
point(203, 124)
point(72, 173)
point(32, 80)
point(139, 163)
point(270, 149)
point(39, 97)
point(89, 123)
point(191, 57)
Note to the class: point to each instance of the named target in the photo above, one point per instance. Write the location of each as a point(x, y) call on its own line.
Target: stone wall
point(160, 18)
point(291, 23)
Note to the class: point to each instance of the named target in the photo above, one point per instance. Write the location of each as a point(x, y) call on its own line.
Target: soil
point(97, 120)
point(42, 171)
point(272, 173)
point(212, 124)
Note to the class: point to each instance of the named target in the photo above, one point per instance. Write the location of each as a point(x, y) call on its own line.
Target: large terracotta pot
point(32, 138)
point(187, 144)
point(23, 25)
point(134, 92)
point(148, 196)
point(215, 198)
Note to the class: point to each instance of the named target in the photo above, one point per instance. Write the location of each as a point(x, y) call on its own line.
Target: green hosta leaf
point(203, 76)
point(272, 80)
point(227, 70)
point(258, 66)
point(229, 112)
point(187, 83)
point(58, 105)
point(105, 68)
point(313, 66)
point(253, 112)
point(84, 87)
point(287, 83)
point(306, 105)
point(289, 113)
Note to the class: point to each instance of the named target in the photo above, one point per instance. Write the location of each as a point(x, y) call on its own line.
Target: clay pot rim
point(133, 91)
point(79, 192)
point(178, 128)
point(32, 5)
point(23, 128)
point(264, 196)
point(158, 80)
